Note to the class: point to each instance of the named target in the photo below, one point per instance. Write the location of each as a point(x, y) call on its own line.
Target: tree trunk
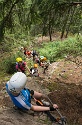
point(65, 23)
point(5, 19)
point(50, 32)
point(71, 17)
point(50, 27)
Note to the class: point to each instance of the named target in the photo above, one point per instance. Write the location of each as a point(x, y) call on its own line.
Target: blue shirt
point(23, 100)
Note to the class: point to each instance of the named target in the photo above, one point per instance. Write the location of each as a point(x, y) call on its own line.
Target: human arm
point(38, 96)
point(39, 108)
point(43, 108)
point(26, 67)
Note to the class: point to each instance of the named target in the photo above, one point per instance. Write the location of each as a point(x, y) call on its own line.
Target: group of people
point(37, 60)
point(21, 66)
point(40, 60)
point(15, 87)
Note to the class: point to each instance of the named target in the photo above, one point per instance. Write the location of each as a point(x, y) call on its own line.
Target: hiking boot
point(45, 103)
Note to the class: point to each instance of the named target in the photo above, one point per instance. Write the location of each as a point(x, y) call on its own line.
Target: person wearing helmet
point(19, 59)
point(43, 58)
point(34, 70)
point(21, 65)
point(44, 63)
point(21, 96)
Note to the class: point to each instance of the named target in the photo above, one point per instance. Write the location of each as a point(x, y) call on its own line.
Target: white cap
point(17, 82)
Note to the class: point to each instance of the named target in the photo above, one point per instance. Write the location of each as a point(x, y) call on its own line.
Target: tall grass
point(59, 49)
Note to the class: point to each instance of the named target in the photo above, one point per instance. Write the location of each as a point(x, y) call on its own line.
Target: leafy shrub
point(59, 49)
point(10, 62)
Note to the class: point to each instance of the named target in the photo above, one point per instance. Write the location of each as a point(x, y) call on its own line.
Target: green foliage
point(62, 15)
point(9, 63)
point(59, 49)
point(21, 16)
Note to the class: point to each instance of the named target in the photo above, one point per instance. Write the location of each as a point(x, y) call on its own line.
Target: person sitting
point(21, 65)
point(34, 70)
point(22, 96)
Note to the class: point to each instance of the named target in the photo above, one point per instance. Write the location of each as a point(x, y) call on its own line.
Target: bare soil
point(63, 85)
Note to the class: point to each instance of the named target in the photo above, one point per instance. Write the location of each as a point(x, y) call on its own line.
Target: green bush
point(59, 49)
point(10, 62)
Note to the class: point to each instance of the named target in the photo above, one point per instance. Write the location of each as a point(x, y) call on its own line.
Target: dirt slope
point(63, 84)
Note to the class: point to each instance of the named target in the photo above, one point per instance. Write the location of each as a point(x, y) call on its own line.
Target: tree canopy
point(46, 16)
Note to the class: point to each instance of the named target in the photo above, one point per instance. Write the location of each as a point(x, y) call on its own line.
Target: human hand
point(55, 106)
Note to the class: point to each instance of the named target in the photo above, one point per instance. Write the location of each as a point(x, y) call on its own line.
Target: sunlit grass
point(59, 49)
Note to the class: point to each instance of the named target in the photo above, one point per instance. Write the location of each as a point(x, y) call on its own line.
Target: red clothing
point(21, 67)
point(28, 53)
